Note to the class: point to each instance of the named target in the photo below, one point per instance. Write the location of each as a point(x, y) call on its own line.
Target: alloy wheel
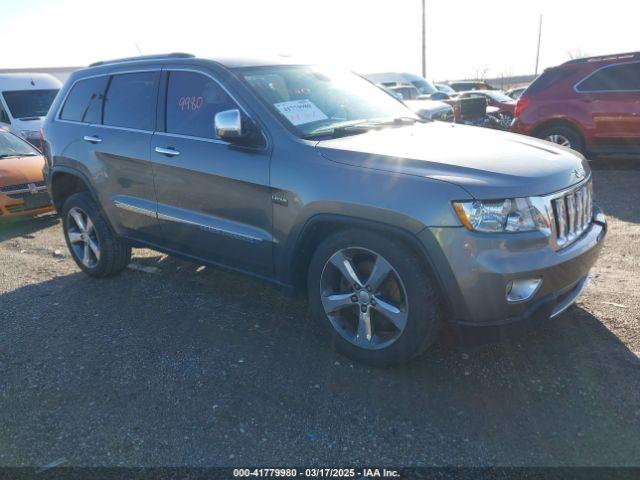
point(558, 139)
point(83, 238)
point(364, 297)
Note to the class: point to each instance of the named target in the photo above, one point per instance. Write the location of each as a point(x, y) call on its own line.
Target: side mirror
point(228, 125)
point(232, 127)
point(439, 96)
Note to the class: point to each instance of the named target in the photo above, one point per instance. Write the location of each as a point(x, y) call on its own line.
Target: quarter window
point(193, 100)
point(130, 101)
point(84, 102)
point(4, 117)
point(623, 77)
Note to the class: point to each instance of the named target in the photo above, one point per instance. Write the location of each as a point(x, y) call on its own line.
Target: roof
point(606, 58)
point(141, 58)
point(229, 62)
point(462, 82)
point(240, 62)
point(22, 81)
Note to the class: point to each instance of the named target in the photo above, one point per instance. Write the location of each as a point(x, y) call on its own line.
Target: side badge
point(280, 198)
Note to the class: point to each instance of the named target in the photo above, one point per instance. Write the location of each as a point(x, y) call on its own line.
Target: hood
point(17, 170)
point(489, 164)
point(32, 124)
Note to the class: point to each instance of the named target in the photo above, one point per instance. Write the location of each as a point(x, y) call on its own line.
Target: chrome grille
point(573, 211)
point(22, 188)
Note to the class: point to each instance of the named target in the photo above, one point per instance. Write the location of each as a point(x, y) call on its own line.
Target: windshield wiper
point(361, 127)
point(340, 130)
point(399, 121)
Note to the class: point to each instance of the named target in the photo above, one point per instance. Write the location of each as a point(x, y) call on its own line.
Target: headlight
point(510, 215)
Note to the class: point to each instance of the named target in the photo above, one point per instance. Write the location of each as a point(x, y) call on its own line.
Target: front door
point(214, 199)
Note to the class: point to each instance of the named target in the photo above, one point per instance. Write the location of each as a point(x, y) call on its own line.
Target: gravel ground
point(173, 363)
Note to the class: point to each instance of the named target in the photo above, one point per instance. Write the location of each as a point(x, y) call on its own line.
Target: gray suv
point(314, 178)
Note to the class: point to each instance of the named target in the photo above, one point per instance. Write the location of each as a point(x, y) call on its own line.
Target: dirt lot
point(176, 364)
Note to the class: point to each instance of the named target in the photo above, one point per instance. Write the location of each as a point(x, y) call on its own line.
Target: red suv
point(591, 105)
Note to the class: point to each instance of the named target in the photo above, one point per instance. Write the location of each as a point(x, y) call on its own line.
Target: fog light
point(522, 289)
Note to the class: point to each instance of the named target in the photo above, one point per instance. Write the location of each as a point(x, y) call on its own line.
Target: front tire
point(373, 297)
point(92, 244)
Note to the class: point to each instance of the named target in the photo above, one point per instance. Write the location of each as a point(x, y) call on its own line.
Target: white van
point(25, 99)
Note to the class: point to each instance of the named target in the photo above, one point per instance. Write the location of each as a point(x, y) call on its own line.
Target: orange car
point(22, 188)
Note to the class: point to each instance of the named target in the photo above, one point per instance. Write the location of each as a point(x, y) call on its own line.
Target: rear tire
point(93, 245)
point(563, 136)
point(402, 307)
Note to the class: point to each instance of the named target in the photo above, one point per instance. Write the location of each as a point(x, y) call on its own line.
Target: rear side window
point(193, 100)
point(84, 102)
point(550, 77)
point(625, 77)
point(131, 101)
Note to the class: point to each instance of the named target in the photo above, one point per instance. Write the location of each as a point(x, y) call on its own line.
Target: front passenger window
point(193, 100)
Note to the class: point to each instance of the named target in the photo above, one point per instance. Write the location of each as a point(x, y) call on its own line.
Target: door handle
point(91, 139)
point(169, 152)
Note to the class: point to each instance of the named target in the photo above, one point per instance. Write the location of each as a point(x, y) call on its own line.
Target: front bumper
point(19, 205)
point(481, 265)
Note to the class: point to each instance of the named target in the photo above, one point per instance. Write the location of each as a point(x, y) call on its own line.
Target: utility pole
point(424, 40)
point(539, 35)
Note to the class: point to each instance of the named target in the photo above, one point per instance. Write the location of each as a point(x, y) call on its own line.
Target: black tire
point(114, 253)
point(575, 140)
point(424, 313)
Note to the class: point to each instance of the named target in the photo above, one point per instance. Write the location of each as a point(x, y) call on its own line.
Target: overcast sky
point(464, 37)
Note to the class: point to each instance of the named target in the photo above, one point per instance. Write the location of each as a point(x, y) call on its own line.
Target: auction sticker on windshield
point(299, 112)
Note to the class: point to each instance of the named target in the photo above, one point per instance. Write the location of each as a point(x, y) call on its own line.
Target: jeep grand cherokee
point(313, 177)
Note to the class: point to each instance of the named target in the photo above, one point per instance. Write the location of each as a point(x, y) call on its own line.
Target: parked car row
point(320, 181)
point(431, 103)
point(24, 102)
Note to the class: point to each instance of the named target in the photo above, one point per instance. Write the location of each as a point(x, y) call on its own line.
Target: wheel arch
point(64, 183)
point(318, 227)
point(560, 122)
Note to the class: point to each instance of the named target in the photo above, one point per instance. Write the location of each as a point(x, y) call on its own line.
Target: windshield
point(12, 146)
point(498, 96)
point(446, 89)
point(408, 93)
point(310, 99)
point(29, 103)
point(424, 87)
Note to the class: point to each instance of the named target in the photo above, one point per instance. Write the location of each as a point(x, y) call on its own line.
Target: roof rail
point(604, 58)
point(142, 57)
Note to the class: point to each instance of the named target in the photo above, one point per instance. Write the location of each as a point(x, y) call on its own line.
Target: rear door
point(120, 146)
point(214, 199)
point(612, 95)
